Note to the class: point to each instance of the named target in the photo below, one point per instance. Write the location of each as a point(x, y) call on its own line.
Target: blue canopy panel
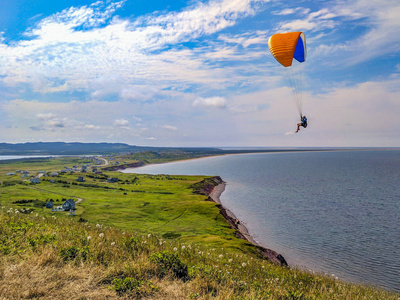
point(300, 52)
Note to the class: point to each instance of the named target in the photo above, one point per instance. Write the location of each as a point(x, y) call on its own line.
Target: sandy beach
point(215, 195)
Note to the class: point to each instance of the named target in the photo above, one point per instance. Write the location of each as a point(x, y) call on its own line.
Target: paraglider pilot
point(303, 123)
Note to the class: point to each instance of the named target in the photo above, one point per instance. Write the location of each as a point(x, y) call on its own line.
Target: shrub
point(133, 286)
point(70, 253)
point(167, 262)
point(74, 252)
point(171, 235)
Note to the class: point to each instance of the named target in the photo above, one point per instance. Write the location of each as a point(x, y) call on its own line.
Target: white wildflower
point(230, 260)
point(183, 247)
point(98, 225)
point(243, 264)
point(149, 235)
point(89, 237)
point(175, 249)
point(101, 235)
point(220, 256)
point(113, 243)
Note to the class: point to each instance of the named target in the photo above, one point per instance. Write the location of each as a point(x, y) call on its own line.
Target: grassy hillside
point(50, 257)
point(145, 236)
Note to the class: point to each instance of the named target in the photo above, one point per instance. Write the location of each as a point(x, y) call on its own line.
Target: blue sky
point(198, 73)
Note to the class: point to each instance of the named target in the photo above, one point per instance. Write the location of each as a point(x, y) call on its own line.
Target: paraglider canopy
point(286, 46)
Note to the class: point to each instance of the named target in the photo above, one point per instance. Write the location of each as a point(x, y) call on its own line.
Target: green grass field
point(162, 204)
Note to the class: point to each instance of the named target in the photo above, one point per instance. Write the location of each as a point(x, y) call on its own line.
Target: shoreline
point(242, 231)
point(215, 196)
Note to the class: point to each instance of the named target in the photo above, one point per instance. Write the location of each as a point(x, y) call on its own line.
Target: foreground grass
point(59, 258)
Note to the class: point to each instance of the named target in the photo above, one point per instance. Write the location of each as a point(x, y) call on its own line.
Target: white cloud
point(362, 115)
point(60, 56)
point(46, 116)
point(377, 22)
point(214, 102)
point(169, 127)
point(121, 122)
point(290, 11)
point(91, 127)
point(318, 21)
point(143, 92)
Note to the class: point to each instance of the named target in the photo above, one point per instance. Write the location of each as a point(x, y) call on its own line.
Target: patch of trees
point(23, 201)
point(100, 176)
point(12, 182)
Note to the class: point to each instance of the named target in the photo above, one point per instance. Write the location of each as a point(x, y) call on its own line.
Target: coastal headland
point(214, 189)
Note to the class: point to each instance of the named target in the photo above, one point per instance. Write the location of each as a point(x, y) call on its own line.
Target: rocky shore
point(213, 188)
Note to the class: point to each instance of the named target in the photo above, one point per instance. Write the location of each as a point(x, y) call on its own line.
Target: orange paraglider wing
point(286, 46)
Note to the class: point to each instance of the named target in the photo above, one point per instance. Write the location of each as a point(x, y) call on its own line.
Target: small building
point(52, 181)
point(68, 205)
point(35, 180)
point(49, 204)
point(112, 180)
point(80, 179)
point(54, 174)
point(10, 173)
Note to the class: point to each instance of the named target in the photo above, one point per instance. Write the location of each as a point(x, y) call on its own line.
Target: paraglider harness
point(304, 121)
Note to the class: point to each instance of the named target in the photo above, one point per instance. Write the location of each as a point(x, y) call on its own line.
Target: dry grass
point(48, 258)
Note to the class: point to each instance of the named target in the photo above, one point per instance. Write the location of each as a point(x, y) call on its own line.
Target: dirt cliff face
point(206, 186)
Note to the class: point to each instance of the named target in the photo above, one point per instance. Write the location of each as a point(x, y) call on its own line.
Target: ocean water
point(334, 212)
point(7, 157)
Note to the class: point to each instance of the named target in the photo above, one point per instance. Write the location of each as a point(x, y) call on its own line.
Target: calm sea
point(7, 157)
point(333, 212)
